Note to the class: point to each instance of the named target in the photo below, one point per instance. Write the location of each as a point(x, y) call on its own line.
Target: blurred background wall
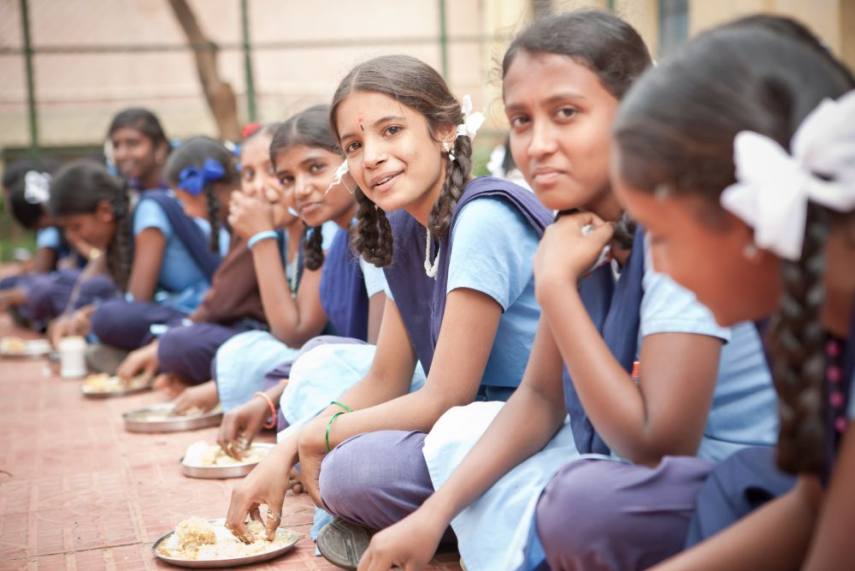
point(87, 59)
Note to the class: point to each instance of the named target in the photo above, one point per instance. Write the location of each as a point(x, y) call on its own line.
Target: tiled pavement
point(77, 492)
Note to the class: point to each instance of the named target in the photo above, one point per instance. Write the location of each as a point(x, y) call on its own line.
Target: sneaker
point(342, 543)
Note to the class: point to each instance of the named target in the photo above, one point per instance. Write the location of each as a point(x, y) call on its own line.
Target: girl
point(186, 241)
point(158, 252)
point(627, 506)
point(758, 230)
point(139, 148)
point(36, 297)
point(337, 293)
point(457, 256)
point(233, 303)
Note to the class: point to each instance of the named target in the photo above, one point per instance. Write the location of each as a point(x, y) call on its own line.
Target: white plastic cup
point(72, 357)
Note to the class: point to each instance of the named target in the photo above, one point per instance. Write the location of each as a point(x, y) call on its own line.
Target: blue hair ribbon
point(193, 179)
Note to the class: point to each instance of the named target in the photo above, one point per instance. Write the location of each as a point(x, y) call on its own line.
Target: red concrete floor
point(77, 492)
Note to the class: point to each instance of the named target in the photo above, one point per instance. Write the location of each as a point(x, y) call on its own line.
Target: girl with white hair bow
point(743, 171)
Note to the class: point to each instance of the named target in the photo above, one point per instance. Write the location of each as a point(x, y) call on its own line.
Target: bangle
point(329, 427)
point(263, 235)
point(272, 422)
point(341, 406)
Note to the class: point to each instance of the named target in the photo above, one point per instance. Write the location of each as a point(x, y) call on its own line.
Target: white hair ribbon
point(471, 121)
point(774, 187)
point(36, 187)
point(341, 177)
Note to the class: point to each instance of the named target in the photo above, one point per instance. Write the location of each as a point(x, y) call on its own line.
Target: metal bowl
point(224, 563)
point(134, 387)
point(221, 472)
point(33, 348)
point(155, 418)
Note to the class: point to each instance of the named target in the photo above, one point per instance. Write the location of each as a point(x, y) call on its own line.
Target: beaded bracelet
point(329, 427)
point(272, 422)
point(264, 235)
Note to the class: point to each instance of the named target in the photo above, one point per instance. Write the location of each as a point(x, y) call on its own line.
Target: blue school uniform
point(625, 308)
point(186, 271)
point(748, 480)
point(495, 230)
point(187, 268)
point(244, 363)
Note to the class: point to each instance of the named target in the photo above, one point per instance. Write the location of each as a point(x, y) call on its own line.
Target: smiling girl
point(337, 294)
point(649, 431)
point(139, 148)
point(457, 255)
point(179, 241)
point(233, 303)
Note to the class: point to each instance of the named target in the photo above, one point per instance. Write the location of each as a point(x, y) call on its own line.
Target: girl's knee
point(363, 470)
point(575, 510)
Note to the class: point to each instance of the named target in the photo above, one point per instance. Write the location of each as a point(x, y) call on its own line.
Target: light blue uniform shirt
point(178, 271)
point(744, 409)
point(493, 253)
point(374, 278)
point(48, 238)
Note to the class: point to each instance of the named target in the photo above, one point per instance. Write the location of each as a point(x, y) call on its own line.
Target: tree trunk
point(218, 93)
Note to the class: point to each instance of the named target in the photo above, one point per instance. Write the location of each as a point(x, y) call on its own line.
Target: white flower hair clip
point(472, 122)
point(342, 177)
point(774, 187)
point(36, 187)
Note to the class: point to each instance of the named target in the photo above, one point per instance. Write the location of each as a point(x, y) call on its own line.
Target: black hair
point(79, 188)
point(142, 120)
point(193, 153)
point(26, 211)
point(611, 48)
point(312, 129)
point(421, 88)
point(675, 131)
point(602, 42)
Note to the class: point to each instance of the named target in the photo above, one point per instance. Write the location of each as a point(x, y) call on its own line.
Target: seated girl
point(338, 293)
point(655, 390)
point(43, 291)
point(759, 221)
point(186, 240)
point(457, 254)
point(233, 303)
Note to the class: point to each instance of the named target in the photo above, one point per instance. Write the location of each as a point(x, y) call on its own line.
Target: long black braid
point(120, 253)
point(797, 339)
point(418, 86)
point(213, 216)
point(314, 248)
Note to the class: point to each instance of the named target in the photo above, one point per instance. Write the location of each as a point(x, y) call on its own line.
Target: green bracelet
point(341, 405)
point(329, 427)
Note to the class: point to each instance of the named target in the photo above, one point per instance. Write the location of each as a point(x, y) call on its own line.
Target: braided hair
point(310, 128)
point(79, 188)
point(418, 86)
point(193, 153)
point(676, 128)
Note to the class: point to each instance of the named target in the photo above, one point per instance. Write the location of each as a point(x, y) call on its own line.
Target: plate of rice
point(207, 544)
point(203, 460)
